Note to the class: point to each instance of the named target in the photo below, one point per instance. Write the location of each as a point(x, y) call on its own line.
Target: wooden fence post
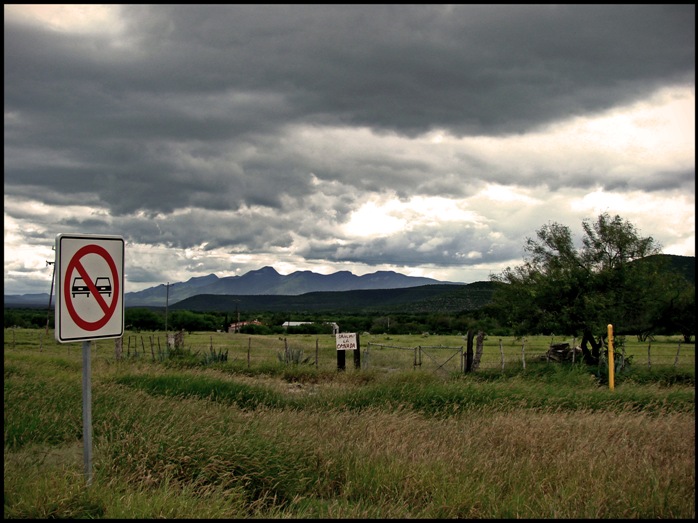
point(479, 348)
point(357, 353)
point(317, 348)
point(249, 343)
point(523, 353)
point(501, 351)
point(469, 352)
point(118, 348)
point(649, 360)
point(341, 360)
point(676, 359)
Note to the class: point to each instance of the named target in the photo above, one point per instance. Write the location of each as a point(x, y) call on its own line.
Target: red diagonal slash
point(92, 287)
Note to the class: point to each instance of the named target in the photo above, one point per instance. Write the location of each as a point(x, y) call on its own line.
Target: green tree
point(680, 313)
point(15, 318)
point(138, 318)
point(564, 289)
point(194, 321)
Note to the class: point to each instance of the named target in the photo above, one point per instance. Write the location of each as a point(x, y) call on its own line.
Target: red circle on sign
point(76, 265)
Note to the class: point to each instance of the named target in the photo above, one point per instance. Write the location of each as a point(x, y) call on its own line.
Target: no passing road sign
point(89, 287)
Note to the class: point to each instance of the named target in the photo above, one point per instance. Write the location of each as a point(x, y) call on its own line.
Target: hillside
point(427, 298)
point(684, 265)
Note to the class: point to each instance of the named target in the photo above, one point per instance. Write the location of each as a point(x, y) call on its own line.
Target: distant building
point(335, 327)
point(235, 327)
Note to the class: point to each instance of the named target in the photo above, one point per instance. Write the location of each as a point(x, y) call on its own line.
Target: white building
point(335, 327)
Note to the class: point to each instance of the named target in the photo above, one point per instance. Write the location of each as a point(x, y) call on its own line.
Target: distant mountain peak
point(265, 270)
point(209, 278)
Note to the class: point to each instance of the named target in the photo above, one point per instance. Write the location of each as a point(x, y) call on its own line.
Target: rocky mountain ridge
point(264, 281)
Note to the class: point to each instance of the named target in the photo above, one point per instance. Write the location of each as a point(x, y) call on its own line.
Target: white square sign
point(346, 341)
point(89, 287)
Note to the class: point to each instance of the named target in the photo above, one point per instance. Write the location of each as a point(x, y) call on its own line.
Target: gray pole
point(167, 302)
point(87, 411)
point(53, 277)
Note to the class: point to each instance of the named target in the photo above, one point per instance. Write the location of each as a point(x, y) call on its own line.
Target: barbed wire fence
point(501, 353)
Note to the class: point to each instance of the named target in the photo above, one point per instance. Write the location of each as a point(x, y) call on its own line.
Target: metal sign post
point(87, 411)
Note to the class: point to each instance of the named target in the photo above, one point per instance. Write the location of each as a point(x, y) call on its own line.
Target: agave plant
point(291, 356)
point(215, 357)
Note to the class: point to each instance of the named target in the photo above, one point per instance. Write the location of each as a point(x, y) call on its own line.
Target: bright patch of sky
point(71, 18)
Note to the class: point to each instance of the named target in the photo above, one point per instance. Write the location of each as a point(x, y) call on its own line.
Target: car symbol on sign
point(103, 286)
point(79, 287)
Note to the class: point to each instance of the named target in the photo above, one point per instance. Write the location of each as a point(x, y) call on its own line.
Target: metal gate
point(422, 354)
point(430, 352)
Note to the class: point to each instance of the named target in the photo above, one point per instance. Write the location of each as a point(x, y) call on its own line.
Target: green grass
point(182, 439)
point(188, 385)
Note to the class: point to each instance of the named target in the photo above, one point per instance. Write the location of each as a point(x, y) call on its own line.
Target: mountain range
point(264, 281)
point(267, 289)
point(267, 281)
point(444, 298)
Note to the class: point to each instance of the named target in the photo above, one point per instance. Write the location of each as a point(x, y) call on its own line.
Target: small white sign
point(346, 341)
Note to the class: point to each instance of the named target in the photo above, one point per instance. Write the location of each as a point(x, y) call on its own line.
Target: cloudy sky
point(427, 139)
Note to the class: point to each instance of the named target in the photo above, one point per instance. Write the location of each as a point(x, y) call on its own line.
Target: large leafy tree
point(679, 314)
point(562, 288)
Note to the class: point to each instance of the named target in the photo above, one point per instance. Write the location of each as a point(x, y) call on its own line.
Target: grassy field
point(224, 429)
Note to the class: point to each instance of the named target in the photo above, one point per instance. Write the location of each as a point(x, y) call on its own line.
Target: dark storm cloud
point(138, 274)
point(680, 181)
point(481, 69)
point(441, 245)
point(216, 77)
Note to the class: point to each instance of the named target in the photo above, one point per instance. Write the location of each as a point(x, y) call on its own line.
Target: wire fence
point(494, 353)
point(503, 353)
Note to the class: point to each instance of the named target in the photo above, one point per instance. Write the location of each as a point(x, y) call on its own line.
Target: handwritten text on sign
point(346, 341)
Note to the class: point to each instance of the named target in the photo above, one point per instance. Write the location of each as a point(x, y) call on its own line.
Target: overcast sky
point(427, 139)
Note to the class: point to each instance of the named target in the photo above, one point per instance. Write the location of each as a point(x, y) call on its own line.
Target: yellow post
point(610, 357)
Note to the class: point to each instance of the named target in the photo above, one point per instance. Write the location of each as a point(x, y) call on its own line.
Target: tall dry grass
point(217, 443)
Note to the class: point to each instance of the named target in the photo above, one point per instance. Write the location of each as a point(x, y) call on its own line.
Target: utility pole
point(167, 303)
point(50, 294)
point(237, 317)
